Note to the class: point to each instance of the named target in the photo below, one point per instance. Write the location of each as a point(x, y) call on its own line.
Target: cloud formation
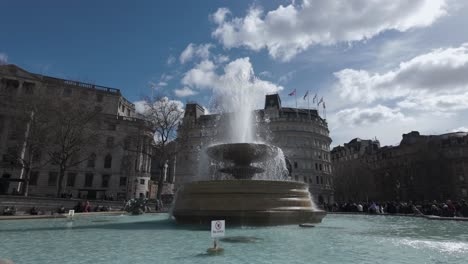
point(366, 116)
point(437, 80)
point(291, 29)
point(184, 92)
point(193, 50)
point(237, 77)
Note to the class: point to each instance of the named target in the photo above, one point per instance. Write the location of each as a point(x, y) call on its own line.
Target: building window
point(84, 95)
point(105, 180)
point(316, 166)
point(123, 181)
point(11, 86)
point(295, 165)
point(110, 142)
point(71, 177)
point(10, 155)
point(16, 130)
point(36, 156)
point(89, 179)
point(28, 88)
point(321, 166)
point(127, 142)
point(99, 97)
point(142, 181)
point(108, 161)
point(317, 179)
point(33, 178)
point(92, 160)
point(52, 181)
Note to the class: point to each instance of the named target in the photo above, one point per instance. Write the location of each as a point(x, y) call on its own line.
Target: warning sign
point(217, 228)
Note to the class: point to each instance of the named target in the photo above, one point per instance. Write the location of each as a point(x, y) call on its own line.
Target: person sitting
point(373, 209)
point(87, 207)
point(78, 208)
point(34, 211)
point(61, 209)
point(9, 210)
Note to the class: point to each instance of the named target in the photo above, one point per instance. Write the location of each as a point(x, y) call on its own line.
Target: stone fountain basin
point(246, 202)
point(242, 153)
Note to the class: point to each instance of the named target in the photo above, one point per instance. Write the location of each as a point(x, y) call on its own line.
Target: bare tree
point(73, 132)
point(163, 116)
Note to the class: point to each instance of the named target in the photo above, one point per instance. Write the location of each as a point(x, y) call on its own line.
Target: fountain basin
point(242, 153)
point(246, 202)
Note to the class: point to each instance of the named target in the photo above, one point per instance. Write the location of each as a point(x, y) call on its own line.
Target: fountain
point(244, 201)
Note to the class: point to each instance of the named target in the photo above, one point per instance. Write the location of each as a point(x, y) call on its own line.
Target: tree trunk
point(26, 183)
point(59, 182)
point(160, 184)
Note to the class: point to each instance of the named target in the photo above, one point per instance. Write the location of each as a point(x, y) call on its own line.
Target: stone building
point(118, 166)
point(422, 167)
point(302, 135)
point(352, 177)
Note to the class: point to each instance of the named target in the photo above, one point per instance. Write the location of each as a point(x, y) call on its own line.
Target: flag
point(315, 97)
point(292, 93)
point(306, 94)
point(321, 101)
point(324, 105)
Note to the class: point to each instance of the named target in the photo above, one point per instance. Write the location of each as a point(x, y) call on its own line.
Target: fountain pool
point(154, 238)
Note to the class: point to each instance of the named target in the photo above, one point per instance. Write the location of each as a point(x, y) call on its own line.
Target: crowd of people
point(437, 208)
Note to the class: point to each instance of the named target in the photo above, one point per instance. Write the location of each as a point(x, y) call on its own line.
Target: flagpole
point(308, 103)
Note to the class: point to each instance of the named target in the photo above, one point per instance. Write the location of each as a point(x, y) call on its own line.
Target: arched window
point(91, 160)
point(108, 161)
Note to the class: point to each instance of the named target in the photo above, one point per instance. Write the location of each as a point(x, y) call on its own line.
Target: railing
point(80, 84)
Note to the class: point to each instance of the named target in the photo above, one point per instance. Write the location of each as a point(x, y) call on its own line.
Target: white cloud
point(287, 77)
point(170, 60)
point(162, 84)
point(291, 29)
point(3, 58)
point(192, 50)
point(140, 106)
point(184, 92)
point(430, 102)
point(219, 59)
point(437, 80)
point(238, 78)
point(265, 74)
point(460, 129)
point(366, 116)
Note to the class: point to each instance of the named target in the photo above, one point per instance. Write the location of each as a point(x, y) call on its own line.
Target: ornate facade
point(118, 166)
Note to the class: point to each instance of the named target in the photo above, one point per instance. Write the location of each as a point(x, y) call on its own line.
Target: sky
point(382, 67)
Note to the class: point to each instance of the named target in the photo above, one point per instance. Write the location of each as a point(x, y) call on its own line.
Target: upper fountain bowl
point(242, 153)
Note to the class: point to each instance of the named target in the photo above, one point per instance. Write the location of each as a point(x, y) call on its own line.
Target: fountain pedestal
point(246, 202)
point(243, 201)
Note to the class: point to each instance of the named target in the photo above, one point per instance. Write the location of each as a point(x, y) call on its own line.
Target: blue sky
point(383, 67)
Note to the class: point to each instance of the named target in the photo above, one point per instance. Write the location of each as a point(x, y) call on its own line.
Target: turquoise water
point(156, 239)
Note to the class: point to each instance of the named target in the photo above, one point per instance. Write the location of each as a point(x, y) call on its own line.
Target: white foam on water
point(441, 246)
